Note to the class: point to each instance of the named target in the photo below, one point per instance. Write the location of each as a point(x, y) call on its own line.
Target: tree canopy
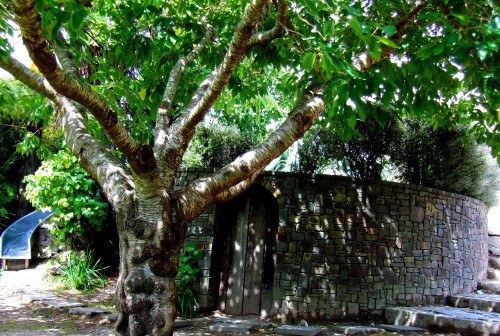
point(131, 80)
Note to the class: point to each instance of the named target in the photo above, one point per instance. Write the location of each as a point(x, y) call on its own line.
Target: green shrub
point(216, 145)
point(445, 159)
point(363, 156)
point(315, 153)
point(79, 271)
point(187, 275)
point(62, 185)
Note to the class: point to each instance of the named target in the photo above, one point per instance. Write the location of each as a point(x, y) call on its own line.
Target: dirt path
point(20, 317)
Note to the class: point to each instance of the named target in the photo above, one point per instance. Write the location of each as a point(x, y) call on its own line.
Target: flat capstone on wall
point(350, 248)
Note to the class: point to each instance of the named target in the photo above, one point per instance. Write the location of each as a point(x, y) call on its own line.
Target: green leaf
point(374, 49)
point(493, 46)
point(351, 121)
point(77, 18)
point(351, 10)
point(438, 49)
point(356, 26)
point(386, 41)
point(327, 65)
point(482, 51)
point(308, 61)
point(494, 25)
point(389, 30)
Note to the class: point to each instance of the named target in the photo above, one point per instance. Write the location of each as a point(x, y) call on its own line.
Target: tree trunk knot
point(163, 267)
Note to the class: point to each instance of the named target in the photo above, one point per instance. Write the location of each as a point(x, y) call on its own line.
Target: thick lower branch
point(28, 77)
point(140, 156)
point(94, 156)
point(201, 193)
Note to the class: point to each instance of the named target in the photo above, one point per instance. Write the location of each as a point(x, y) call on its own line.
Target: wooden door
point(244, 284)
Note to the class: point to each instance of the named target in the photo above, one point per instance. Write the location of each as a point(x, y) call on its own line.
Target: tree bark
point(146, 293)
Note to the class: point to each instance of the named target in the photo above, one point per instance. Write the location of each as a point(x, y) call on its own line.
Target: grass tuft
point(80, 272)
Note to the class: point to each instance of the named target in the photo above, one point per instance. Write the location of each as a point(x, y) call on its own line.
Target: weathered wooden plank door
point(244, 285)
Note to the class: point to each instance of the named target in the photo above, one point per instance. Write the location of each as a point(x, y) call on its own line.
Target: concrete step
point(490, 285)
point(494, 262)
point(494, 241)
point(493, 274)
point(484, 302)
point(446, 319)
point(494, 250)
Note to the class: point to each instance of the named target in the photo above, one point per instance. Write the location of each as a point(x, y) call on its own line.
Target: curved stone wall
point(348, 247)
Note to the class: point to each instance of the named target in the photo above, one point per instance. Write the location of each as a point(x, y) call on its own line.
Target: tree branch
point(277, 31)
point(364, 61)
point(220, 77)
point(201, 193)
point(237, 189)
point(205, 96)
point(176, 73)
point(92, 154)
point(66, 58)
point(140, 156)
point(28, 77)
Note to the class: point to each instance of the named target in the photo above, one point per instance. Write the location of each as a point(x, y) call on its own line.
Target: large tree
point(131, 80)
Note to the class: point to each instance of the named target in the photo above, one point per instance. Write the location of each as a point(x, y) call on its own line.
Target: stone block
point(401, 328)
point(230, 327)
point(357, 330)
point(64, 304)
point(88, 311)
point(297, 330)
point(417, 214)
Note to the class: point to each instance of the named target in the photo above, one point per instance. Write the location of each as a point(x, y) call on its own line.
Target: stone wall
point(348, 247)
point(43, 243)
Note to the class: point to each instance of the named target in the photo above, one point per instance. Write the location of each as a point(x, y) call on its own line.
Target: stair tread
point(452, 319)
point(453, 313)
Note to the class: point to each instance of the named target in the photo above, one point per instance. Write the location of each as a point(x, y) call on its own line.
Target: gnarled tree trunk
point(146, 294)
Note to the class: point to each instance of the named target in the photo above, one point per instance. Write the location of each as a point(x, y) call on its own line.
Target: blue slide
point(15, 241)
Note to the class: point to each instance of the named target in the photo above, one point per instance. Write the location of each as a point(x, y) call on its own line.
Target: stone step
point(64, 304)
point(490, 285)
point(446, 319)
point(231, 327)
point(89, 311)
point(494, 241)
point(297, 330)
point(493, 274)
point(357, 330)
point(484, 302)
point(494, 262)
point(494, 250)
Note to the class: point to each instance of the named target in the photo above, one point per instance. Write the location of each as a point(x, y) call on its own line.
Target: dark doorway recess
point(244, 253)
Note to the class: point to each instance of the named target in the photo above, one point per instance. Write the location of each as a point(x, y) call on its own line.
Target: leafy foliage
point(9, 136)
point(364, 156)
point(62, 185)
point(216, 145)
point(13, 122)
point(445, 159)
point(79, 271)
point(316, 151)
point(187, 275)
